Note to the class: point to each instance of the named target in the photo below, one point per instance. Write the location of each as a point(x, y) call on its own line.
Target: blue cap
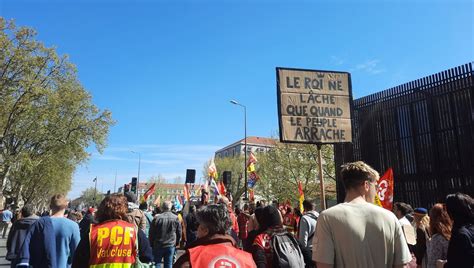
point(422, 211)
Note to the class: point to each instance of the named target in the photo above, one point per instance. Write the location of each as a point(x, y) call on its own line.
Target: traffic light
point(133, 188)
point(126, 187)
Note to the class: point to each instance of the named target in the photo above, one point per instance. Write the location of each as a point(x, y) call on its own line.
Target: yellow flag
point(377, 200)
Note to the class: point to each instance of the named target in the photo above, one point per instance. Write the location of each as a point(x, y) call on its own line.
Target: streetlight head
point(234, 102)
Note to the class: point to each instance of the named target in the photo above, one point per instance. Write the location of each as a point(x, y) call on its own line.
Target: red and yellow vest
point(220, 255)
point(112, 244)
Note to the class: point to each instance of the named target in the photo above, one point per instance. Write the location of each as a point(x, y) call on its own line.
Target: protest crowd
point(217, 233)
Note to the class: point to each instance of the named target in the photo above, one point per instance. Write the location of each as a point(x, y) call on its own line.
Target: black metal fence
point(424, 130)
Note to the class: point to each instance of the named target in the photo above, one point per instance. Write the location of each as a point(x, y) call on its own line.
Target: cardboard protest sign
point(314, 106)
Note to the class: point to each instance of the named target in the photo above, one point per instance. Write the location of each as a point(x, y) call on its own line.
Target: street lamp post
point(245, 144)
point(95, 191)
point(138, 177)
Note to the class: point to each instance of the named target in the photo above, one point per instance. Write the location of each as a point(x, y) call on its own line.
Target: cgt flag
point(385, 190)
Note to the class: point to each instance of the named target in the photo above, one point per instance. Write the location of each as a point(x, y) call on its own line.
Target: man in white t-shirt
point(358, 233)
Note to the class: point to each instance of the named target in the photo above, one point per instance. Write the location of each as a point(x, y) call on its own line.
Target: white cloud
point(369, 66)
point(336, 60)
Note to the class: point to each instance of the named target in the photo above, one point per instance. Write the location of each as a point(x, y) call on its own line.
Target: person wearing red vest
point(112, 242)
point(214, 248)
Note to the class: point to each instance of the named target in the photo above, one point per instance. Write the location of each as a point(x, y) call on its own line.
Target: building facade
point(254, 145)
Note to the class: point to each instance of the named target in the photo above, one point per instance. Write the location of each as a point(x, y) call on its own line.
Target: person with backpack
point(307, 230)
point(135, 215)
point(275, 246)
point(17, 235)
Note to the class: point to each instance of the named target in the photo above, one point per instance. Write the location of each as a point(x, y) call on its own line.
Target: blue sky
point(167, 69)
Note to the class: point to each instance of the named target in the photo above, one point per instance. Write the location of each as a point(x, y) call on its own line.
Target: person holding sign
point(113, 240)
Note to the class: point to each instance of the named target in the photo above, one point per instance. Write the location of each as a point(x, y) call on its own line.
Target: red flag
point(385, 190)
point(300, 188)
point(222, 190)
point(149, 192)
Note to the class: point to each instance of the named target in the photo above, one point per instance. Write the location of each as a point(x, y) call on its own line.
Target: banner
point(385, 189)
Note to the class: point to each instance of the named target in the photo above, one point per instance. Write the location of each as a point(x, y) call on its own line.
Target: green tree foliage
point(280, 169)
point(234, 164)
point(92, 197)
point(47, 119)
point(159, 189)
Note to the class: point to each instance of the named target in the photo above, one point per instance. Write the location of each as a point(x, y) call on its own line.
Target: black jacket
point(17, 236)
point(461, 247)
point(420, 246)
point(165, 230)
point(85, 224)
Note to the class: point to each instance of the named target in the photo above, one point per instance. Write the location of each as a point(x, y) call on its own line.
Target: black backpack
point(286, 251)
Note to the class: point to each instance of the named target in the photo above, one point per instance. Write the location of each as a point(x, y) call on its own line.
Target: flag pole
point(321, 181)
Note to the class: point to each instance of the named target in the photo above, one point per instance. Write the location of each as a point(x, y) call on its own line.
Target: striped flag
point(149, 192)
point(301, 196)
point(214, 185)
point(177, 203)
